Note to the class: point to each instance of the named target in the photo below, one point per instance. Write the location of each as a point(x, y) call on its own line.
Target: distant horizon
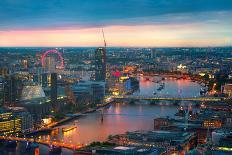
point(116, 46)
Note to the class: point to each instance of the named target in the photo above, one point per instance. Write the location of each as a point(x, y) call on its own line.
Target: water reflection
point(172, 88)
point(118, 118)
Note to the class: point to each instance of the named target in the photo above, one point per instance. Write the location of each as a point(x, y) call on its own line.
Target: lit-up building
point(123, 85)
point(31, 92)
point(27, 121)
point(212, 123)
point(227, 89)
point(9, 123)
point(174, 142)
point(182, 68)
point(100, 64)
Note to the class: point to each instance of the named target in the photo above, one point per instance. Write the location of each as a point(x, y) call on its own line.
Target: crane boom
point(104, 38)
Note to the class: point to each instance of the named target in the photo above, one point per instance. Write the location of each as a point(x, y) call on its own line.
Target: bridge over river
point(45, 142)
point(206, 99)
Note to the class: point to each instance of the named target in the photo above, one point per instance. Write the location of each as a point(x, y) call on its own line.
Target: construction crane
point(104, 38)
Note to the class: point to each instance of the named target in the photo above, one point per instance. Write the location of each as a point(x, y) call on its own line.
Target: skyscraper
point(11, 90)
point(100, 64)
point(2, 84)
point(53, 88)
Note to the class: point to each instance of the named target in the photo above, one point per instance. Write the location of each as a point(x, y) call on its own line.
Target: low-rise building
point(227, 89)
point(172, 141)
point(87, 92)
point(9, 123)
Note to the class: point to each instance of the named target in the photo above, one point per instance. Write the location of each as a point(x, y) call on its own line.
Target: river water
point(172, 87)
point(121, 117)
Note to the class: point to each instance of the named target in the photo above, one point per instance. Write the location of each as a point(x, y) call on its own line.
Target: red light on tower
point(117, 73)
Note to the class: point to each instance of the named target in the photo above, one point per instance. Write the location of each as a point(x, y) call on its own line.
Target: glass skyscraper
point(100, 64)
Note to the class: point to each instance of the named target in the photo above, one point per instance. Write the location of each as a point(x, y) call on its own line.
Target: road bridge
point(168, 98)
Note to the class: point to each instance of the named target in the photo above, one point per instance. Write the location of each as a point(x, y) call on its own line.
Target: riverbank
point(79, 114)
point(71, 117)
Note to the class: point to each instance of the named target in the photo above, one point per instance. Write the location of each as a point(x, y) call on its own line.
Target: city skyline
point(116, 77)
point(78, 23)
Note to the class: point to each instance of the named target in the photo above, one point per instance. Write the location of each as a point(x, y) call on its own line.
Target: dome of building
point(32, 92)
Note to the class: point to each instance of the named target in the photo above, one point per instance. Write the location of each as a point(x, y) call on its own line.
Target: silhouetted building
point(53, 88)
point(2, 85)
point(87, 92)
point(11, 90)
point(100, 64)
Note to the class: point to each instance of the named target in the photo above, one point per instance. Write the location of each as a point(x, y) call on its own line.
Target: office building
point(100, 64)
point(9, 123)
point(2, 83)
point(53, 88)
point(87, 92)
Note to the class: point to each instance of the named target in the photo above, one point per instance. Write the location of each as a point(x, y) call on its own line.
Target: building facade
point(100, 64)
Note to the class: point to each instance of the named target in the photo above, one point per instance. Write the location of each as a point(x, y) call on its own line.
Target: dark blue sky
point(33, 14)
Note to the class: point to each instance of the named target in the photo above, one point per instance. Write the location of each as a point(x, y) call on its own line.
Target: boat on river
point(69, 128)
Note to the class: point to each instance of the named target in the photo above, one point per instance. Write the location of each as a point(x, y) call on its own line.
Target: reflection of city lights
point(224, 148)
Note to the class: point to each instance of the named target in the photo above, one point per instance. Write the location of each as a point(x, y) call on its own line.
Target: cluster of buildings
point(211, 126)
point(208, 131)
point(36, 85)
point(32, 93)
point(170, 142)
point(30, 88)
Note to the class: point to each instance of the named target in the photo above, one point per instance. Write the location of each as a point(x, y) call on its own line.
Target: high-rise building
point(53, 88)
point(153, 53)
point(2, 85)
point(100, 64)
point(50, 64)
point(11, 91)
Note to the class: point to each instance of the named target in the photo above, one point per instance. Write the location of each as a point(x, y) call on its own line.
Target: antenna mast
point(104, 38)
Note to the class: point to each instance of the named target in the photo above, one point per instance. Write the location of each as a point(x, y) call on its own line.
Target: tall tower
point(100, 62)
point(53, 89)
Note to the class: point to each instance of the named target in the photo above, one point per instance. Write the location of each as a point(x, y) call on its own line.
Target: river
point(121, 117)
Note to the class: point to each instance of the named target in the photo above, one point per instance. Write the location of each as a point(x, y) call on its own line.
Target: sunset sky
point(152, 23)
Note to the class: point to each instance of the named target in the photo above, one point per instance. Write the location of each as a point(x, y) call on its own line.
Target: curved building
point(32, 92)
